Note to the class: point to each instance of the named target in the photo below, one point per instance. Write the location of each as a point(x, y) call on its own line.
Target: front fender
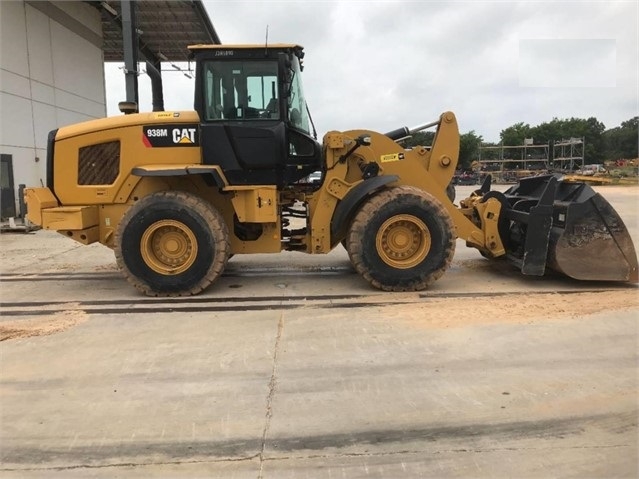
point(347, 207)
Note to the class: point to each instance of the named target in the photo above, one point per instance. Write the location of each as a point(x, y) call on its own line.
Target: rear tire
point(402, 239)
point(172, 243)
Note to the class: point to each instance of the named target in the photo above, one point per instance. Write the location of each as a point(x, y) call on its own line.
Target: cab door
point(241, 126)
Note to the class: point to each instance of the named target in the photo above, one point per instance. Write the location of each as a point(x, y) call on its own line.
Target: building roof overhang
point(165, 29)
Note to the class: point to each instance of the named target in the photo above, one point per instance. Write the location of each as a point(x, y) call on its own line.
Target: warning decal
point(392, 157)
point(171, 135)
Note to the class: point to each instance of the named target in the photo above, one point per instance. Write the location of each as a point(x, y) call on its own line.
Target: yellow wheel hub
point(168, 247)
point(403, 241)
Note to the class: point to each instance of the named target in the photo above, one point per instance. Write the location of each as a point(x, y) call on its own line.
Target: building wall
point(51, 75)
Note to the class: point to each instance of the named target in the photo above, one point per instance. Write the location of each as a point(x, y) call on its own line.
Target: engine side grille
point(99, 164)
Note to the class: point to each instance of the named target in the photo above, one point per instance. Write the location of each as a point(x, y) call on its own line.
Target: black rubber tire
point(450, 192)
point(361, 242)
point(199, 218)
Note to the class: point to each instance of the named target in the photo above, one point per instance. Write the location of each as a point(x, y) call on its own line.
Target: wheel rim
point(168, 247)
point(403, 241)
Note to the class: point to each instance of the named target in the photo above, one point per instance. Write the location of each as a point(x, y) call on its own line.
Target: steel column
point(130, 46)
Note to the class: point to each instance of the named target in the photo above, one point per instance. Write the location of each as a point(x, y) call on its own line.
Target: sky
point(380, 65)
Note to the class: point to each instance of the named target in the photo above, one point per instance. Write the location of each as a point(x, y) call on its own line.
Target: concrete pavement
point(290, 366)
point(327, 394)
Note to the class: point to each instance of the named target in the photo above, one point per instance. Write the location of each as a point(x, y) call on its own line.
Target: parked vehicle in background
point(466, 178)
point(314, 178)
point(591, 170)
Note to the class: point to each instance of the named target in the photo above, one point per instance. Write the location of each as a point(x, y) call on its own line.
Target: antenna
point(266, 42)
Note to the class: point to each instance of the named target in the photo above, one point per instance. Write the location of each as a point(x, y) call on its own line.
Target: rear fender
point(211, 174)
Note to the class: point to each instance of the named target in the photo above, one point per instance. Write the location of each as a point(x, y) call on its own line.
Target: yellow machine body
point(175, 194)
point(90, 213)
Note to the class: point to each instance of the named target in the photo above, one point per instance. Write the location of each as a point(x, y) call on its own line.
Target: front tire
point(450, 192)
point(172, 243)
point(402, 239)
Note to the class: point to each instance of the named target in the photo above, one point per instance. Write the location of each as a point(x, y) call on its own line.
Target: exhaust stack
point(156, 86)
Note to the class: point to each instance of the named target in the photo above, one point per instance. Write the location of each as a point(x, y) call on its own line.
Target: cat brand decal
point(171, 135)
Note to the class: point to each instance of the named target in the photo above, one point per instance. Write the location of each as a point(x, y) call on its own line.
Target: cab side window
point(241, 90)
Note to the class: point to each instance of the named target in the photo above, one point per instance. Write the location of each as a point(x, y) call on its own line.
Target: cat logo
point(167, 136)
point(184, 135)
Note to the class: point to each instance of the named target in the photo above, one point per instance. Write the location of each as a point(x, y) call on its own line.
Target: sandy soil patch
point(42, 325)
point(513, 308)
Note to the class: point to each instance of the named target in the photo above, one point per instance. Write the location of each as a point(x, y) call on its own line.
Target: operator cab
point(254, 121)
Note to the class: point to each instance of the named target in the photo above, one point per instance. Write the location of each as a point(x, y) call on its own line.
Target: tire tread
point(212, 218)
point(354, 238)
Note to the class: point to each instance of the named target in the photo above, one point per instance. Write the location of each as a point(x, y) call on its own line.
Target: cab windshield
point(297, 111)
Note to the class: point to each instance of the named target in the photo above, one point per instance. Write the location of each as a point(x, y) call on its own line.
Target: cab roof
point(274, 46)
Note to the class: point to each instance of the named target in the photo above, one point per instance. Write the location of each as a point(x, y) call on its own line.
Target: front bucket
point(570, 228)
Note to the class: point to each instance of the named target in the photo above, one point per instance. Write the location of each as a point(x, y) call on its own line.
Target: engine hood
point(122, 121)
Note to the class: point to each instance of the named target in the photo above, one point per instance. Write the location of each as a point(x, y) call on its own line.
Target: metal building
point(52, 57)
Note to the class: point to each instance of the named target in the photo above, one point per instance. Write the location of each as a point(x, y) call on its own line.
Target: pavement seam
point(309, 456)
point(271, 393)
point(438, 451)
point(130, 464)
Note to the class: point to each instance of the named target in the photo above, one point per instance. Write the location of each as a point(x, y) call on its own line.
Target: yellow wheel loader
point(174, 194)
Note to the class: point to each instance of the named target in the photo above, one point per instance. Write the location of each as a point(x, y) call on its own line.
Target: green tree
point(593, 130)
point(514, 135)
point(421, 138)
point(549, 131)
point(622, 142)
point(590, 129)
point(469, 144)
